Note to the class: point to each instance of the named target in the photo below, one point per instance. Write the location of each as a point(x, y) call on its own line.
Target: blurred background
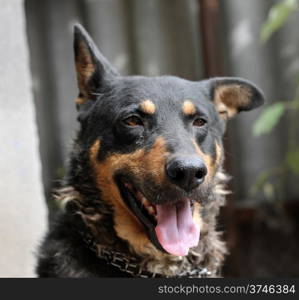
point(194, 39)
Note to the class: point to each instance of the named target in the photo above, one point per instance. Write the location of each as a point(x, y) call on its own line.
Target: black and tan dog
point(145, 181)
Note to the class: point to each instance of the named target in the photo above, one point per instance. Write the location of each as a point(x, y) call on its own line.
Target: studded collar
point(132, 266)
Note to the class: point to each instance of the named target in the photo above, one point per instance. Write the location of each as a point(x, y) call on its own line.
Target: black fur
point(107, 100)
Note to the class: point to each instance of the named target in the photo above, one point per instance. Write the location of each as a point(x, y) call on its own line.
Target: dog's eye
point(133, 121)
point(199, 122)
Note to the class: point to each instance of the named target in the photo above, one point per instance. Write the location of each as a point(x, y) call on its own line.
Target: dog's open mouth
point(170, 226)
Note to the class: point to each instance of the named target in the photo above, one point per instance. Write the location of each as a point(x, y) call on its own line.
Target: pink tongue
point(176, 231)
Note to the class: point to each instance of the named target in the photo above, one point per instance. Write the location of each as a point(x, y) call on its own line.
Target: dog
point(145, 179)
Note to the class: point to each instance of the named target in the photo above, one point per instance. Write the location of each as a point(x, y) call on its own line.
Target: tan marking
point(196, 215)
point(208, 159)
point(189, 108)
point(148, 107)
point(85, 69)
point(212, 164)
point(230, 98)
point(94, 150)
point(138, 163)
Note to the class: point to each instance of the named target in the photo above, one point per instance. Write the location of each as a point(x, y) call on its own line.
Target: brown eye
point(133, 121)
point(199, 122)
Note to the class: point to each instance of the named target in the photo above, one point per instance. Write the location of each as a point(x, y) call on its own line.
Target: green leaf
point(268, 119)
point(278, 15)
point(293, 160)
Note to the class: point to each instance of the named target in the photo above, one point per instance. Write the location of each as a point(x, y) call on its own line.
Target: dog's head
point(154, 145)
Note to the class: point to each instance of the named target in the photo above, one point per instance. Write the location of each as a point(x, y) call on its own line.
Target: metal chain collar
point(131, 265)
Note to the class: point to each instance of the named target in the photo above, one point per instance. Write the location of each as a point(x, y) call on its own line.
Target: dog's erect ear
point(94, 72)
point(232, 95)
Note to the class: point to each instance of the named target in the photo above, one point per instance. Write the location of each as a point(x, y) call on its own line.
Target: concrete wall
point(23, 212)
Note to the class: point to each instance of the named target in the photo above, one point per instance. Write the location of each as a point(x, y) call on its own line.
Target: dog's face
point(154, 146)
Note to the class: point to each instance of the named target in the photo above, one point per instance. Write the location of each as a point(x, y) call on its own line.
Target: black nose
point(186, 172)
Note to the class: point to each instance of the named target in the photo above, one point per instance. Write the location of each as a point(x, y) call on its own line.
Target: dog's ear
point(232, 95)
point(94, 72)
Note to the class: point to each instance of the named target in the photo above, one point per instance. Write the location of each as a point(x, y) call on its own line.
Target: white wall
point(22, 205)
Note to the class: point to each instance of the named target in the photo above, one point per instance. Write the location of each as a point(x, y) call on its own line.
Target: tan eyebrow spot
point(148, 107)
point(189, 108)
